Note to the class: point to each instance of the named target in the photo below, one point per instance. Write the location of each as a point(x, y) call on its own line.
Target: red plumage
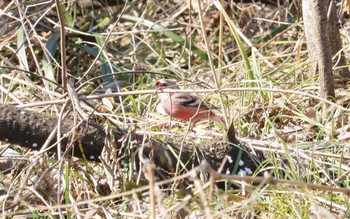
point(185, 107)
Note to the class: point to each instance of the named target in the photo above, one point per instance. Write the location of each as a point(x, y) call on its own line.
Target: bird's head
point(169, 84)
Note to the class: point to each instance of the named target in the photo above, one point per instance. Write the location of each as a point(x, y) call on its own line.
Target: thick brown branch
point(32, 129)
point(324, 42)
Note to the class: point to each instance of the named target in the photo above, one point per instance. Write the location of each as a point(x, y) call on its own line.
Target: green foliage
point(263, 82)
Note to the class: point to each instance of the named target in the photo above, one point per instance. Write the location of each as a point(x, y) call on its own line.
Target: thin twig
point(63, 45)
point(212, 67)
point(273, 181)
point(203, 166)
point(92, 97)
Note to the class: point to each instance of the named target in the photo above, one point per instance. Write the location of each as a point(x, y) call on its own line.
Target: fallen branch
point(87, 140)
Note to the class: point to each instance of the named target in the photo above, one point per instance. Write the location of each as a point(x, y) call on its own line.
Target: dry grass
point(248, 59)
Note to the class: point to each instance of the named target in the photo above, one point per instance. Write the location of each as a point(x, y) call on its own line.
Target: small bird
point(183, 106)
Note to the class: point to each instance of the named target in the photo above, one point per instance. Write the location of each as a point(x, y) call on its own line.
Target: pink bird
point(183, 106)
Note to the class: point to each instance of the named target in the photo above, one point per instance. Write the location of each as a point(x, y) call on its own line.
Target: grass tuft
point(252, 56)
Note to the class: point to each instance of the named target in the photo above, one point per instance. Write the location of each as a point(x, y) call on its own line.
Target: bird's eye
point(160, 84)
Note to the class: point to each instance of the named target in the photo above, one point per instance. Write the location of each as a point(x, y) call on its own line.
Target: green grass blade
point(22, 56)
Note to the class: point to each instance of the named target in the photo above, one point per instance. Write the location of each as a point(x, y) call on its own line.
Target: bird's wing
point(189, 100)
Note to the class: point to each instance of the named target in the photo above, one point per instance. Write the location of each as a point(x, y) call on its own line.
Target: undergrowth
point(253, 54)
